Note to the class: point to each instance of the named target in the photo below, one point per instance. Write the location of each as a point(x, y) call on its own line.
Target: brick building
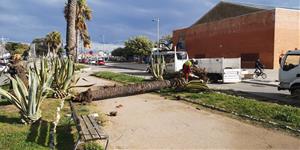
point(242, 30)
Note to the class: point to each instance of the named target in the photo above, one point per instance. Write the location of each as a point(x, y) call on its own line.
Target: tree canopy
point(139, 45)
point(53, 41)
point(135, 46)
point(16, 48)
point(41, 47)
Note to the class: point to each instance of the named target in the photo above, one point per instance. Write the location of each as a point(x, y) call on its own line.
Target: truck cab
point(289, 73)
point(174, 59)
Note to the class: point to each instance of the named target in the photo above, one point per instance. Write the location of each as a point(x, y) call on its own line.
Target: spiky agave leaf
point(28, 100)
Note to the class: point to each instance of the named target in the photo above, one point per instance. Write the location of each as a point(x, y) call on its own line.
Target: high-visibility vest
point(188, 63)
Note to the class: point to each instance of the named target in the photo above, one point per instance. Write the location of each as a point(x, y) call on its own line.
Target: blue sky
point(117, 20)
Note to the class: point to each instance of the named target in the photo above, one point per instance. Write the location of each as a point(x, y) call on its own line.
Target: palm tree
point(70, 15)
point(83, 13)
point(104, 92)
point(53, 41)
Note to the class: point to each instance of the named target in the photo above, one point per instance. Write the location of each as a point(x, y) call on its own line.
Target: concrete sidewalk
point(148, 121)
point(271, 80)
point(261, 82)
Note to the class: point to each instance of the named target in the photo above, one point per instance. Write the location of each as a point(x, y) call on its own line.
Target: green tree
point(118, 52)
point(53, 41)
point(41, 48)
point(70, 15)
point(139, 46)
point(16, 48)
point(83, 14)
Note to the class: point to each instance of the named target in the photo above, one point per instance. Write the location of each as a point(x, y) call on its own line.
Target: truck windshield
point(169, 58)
point(181, 56)
point(291, 62)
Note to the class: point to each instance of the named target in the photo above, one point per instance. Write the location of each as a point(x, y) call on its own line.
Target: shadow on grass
point(40, 133)
point(4, 102)
point(64, 137)
point(5, 119)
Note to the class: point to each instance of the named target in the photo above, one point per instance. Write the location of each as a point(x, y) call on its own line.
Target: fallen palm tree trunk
point(101, 93)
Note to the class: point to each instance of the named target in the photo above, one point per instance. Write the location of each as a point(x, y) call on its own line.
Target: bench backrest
point(75, 117)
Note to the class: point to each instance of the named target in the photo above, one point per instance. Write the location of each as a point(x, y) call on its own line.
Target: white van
point(173, 62)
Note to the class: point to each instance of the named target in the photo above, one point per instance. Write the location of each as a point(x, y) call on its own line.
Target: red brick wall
point(287, 32)
point(231, 37)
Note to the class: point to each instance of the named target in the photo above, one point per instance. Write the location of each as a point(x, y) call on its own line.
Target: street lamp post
point(157, 20)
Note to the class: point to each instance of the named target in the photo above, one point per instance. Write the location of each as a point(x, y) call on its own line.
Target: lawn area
point(119, 77)
point(15, 135)
point(79, 66)
point(281, 114)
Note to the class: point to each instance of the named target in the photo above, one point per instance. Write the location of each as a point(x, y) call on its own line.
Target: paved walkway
point(149, 121)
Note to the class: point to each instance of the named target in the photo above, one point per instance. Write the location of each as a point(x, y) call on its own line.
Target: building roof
point(226, 9)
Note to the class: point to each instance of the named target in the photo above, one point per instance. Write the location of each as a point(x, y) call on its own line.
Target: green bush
point(92, 146)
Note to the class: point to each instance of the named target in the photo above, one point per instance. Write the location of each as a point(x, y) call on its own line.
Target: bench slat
point(90, 127)
point(85, 132)
point(97, 127)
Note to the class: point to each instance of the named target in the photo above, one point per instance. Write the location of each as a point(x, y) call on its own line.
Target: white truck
point(289, 73)
point(226, 69)
point(174, 59)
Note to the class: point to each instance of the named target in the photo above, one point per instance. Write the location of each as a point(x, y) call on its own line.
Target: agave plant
point(64, 76)
point(158, 66)
point(28, 99)
point(43, 70)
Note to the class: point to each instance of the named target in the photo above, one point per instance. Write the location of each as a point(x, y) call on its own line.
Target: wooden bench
point(88, 128)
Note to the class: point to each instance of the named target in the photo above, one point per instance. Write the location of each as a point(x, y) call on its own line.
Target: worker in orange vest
point(187, 68)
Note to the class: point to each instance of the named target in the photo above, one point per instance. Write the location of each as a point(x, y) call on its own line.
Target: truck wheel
point(296, 92)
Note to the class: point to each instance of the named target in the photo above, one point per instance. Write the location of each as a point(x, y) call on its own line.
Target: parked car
point(92, 61)
point(84, 60)
point(101, 62)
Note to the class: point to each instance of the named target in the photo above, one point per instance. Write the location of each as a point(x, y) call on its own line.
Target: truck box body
point(226, 69)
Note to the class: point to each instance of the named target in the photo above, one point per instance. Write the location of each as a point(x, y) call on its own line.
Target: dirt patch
point(9, 108)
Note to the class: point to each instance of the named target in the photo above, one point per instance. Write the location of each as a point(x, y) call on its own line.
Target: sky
point(114, 21)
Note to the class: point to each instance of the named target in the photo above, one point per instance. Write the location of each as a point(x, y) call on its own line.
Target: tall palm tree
point(53, 41)
point(70, 15)
point(83, 13)
point(100, 93)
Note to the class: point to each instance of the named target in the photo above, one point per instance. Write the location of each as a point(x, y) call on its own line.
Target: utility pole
point(157, 21)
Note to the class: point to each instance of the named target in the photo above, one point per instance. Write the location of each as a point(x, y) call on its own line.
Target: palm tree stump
point(100, 93)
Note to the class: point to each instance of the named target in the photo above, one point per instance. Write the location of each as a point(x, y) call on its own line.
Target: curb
point(259, 83)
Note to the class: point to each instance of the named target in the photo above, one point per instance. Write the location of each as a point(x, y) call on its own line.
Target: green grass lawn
point(281, 114)
point(79, 66)
point(122, 78)
point(15, 135)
